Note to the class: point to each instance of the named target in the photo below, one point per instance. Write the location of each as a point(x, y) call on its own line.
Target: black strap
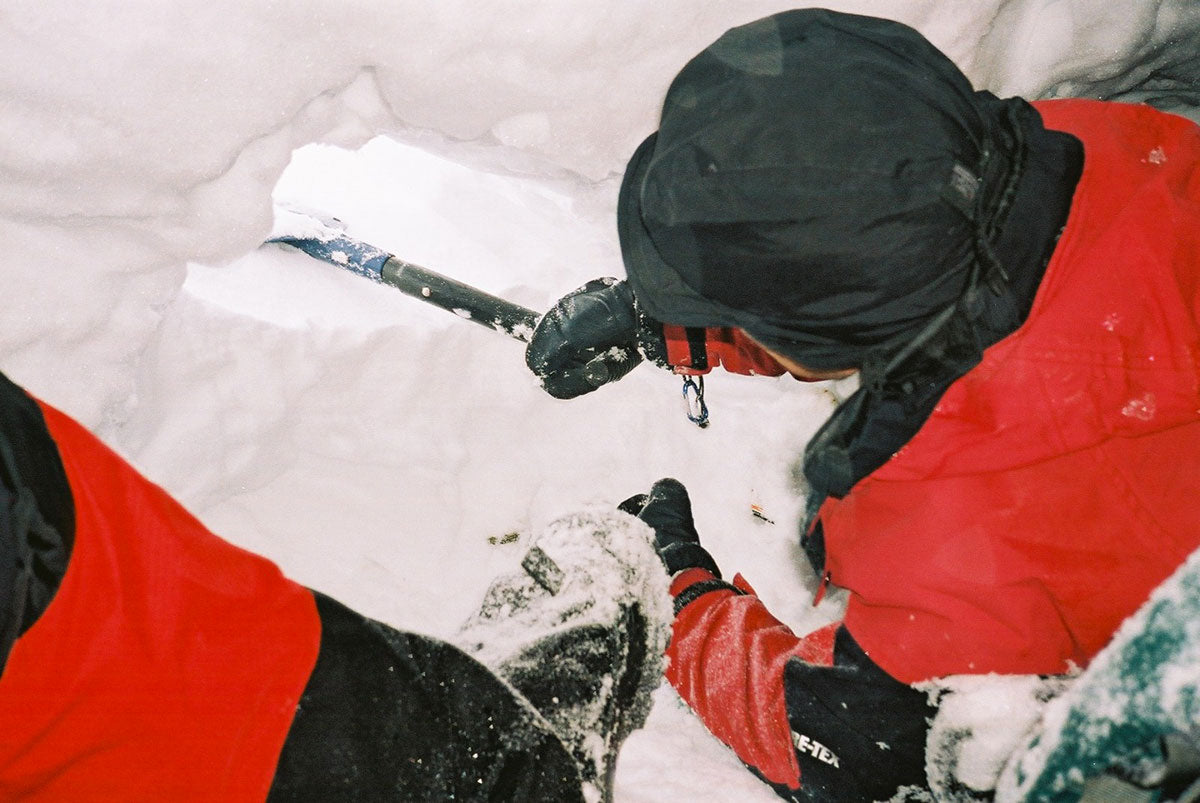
point(697, 340)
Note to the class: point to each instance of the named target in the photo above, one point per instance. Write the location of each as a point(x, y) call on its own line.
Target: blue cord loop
point(693, 401)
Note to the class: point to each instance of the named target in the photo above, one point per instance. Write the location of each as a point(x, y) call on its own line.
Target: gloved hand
point(668, 511)
point(588, 339)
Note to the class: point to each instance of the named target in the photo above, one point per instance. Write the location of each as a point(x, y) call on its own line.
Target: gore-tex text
point(815, 749)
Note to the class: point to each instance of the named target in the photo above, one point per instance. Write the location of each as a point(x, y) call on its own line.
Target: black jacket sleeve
point(859, 734)
point(37, 515)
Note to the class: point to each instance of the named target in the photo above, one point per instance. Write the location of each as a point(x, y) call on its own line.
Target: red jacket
point(1053, 487)
point(169, 663)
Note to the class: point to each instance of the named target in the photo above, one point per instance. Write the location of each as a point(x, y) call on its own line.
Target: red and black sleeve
point(726, 659)
point(812, 715)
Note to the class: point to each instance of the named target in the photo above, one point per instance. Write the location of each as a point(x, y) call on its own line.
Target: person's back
point(1052, 487)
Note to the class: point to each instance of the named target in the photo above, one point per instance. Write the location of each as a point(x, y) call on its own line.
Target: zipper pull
point(826, 579)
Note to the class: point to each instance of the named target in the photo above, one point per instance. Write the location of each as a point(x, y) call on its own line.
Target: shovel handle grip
point(465, 301)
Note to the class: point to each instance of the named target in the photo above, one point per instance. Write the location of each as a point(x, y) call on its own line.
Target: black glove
point(588, 339)
point(668, 511)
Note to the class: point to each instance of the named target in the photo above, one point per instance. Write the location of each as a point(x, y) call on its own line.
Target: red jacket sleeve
point(726, 660)
point(693, 350)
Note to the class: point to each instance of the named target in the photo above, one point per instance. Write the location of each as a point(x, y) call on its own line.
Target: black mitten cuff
point(652, 342)
point(697, 590)
point(687, 555)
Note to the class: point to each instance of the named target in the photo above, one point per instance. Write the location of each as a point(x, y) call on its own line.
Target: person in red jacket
point(1017, 287)
point(142, 658)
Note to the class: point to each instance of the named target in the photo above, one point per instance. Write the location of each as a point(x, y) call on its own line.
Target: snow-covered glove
point(668, 511)
point(588, 339)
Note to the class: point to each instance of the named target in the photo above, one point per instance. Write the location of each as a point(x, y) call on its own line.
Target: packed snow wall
point(136, 137)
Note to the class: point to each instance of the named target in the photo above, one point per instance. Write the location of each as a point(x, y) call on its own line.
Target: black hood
point(816, 180)
point(833, 185)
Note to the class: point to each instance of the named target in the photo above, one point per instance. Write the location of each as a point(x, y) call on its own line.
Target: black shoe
point(580, 632)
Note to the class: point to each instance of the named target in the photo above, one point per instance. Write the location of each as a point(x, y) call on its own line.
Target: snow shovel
point(325, 239)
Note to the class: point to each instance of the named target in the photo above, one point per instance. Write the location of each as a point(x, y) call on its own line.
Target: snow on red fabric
point(726, 660)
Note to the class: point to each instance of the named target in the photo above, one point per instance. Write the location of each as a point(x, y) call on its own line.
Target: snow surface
point(368, 444)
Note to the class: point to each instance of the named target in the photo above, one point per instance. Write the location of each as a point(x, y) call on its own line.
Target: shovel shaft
point(467, 302)
point(463, 300)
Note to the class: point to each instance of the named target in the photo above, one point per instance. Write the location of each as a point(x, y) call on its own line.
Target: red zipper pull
point(826, 579)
